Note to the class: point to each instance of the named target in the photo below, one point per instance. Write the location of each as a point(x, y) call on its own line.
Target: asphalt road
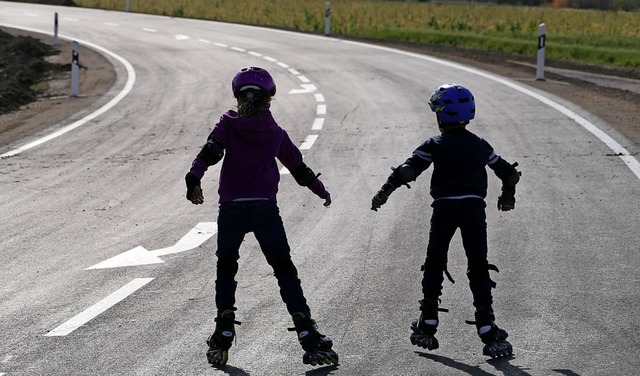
point(568, 255)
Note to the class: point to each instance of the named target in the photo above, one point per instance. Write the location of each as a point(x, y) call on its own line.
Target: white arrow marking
point(141, 256)
point(90, 313)
point(306, 88)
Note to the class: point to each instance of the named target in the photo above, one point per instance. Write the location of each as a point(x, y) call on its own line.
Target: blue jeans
point(469, 216)
point(262, 217)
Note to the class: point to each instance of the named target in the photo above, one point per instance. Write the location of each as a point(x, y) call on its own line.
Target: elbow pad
point(304, 175)
point(212, 152)
point(405, 173)
point(513, 178)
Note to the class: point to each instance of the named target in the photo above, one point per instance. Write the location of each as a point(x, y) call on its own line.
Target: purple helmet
point(453, 103)
point(253, 78)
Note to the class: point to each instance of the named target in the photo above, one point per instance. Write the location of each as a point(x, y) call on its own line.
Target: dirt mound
point(24, 70)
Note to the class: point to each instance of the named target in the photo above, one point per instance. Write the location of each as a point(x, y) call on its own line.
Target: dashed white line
point(319, 97)
point(96, 309)
point(111, 24)
point(238, 49)
point(269, 58)
point(181, 37)
point(303, 79)
point(149, 30)
point(321, 109)
point(318, 123)
point(308, 142)
point(253, 53)
point(283, 65)
point(204, 41)
point(294, 72)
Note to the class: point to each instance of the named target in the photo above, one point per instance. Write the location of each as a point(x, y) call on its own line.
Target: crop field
point(586, 36)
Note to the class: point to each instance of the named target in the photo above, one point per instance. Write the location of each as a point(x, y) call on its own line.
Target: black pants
point(262, 217)
point(469, 216)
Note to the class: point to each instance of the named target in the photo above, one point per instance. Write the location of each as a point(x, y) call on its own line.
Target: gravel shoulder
point(611, 95)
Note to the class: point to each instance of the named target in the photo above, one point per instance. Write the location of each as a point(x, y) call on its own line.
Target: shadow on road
point(566, 372)
point(231, 370)
point(501, 364)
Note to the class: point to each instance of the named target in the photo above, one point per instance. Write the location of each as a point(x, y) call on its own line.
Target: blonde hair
point(252, 103)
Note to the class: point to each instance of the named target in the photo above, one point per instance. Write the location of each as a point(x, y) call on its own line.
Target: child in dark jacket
point(250, 141)
point(459, 188)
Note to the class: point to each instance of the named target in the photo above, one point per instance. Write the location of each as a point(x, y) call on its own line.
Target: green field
point(585, 36)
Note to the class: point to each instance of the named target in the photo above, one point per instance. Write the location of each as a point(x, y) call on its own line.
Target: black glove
point(507, 200)
point(192, 182)
point(381, 197)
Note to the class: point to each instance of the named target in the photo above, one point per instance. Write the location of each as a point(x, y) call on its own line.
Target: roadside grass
point(583, 36)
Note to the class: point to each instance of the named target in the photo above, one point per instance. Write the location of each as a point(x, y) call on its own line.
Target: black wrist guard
point(192, 182)
point(508, 196)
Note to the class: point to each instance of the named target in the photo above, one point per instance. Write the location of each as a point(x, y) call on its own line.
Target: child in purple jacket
point(250, 140)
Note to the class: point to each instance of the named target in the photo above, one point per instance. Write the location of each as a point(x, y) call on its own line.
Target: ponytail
point(251, 103)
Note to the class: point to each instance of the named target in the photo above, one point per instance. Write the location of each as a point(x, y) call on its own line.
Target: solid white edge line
point(629, 160)
point(131, 79)
point(618, 149)
point(96, 309)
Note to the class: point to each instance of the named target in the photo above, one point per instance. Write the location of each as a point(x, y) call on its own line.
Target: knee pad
point(477, 271)
point(226, 268)
point(284, 268)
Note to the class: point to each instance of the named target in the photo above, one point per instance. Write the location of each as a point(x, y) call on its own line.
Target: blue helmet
point(453, 103)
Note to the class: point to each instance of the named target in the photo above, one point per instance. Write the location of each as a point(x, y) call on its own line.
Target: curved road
point(105, 268)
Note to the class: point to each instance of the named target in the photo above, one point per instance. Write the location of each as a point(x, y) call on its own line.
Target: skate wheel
point(498, 349)
point(218, 358)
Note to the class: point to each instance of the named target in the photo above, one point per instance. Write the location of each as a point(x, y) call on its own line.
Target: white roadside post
point(75, 68)
point(541, 42)
point(126, 6)
point(55, 29)
point(327, 19)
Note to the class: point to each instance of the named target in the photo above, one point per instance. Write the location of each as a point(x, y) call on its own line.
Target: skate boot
point(425, 327)
point(494, 338)
point(317, 346)
point(221, 339)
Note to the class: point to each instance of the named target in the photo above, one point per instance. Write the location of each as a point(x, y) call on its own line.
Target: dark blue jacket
point(459, 158)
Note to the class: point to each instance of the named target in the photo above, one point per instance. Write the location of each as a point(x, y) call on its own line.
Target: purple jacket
point(249, 168)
